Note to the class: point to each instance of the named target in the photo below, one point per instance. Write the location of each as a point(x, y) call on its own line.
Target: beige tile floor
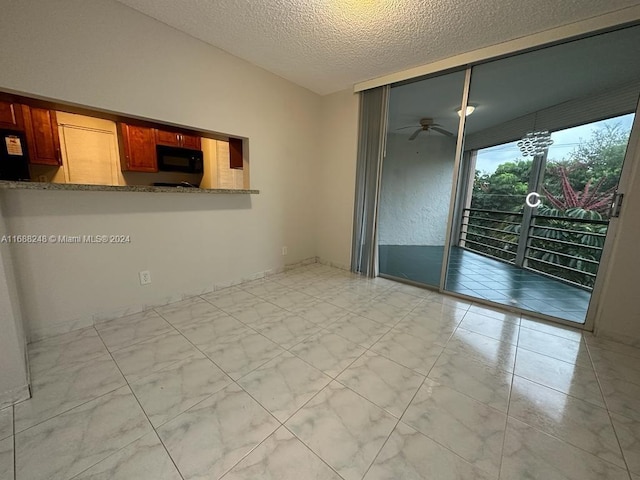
point(319, 374)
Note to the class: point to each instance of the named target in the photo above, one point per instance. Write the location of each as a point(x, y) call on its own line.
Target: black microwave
point(175, 159)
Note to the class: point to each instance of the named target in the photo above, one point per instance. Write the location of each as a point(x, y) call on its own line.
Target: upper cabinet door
point(164, 137)
point(235, 153)
point(174, 139)
point(190, 141)
point(41, 130)
point(139, 146)
point(10, 115)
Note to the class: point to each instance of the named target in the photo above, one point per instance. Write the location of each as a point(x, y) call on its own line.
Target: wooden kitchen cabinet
point(174, 139)
point(164, 137)
point(139, 149)
point(11, 115)
point(41, 131)
point(235, 153)
point(190, 141)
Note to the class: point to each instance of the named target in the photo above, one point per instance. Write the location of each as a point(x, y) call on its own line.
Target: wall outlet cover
point(145, 277)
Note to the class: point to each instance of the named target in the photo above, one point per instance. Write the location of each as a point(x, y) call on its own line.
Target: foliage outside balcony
point(569, 228)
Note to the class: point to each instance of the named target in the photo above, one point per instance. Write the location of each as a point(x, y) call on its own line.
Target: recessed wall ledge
point(10, 185)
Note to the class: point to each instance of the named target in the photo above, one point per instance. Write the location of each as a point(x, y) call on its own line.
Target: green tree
point(504, 189)
point(597, 159)
point(569, 226)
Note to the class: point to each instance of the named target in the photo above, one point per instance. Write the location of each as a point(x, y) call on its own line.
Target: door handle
point(616, 205)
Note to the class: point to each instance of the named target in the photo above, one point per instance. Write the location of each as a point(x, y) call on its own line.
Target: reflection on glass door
point(548, 214)
point(417, 178)
point(543, 154)
point(579, 182)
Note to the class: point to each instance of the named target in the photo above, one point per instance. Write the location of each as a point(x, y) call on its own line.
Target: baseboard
point(13, 396)
point(624, 339)
point(301, 263)
point(330, 263)
point(36, 334)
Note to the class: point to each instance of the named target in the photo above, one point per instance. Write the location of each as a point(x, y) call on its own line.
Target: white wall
point(106, 56)
point(618, 309)
point(416, 190)
point(336, 177)
point(13, 369)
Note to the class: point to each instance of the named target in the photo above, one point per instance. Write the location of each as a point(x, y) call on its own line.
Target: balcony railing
point(565, 248)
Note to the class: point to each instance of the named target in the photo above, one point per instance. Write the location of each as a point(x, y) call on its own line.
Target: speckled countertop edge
point(9, 185)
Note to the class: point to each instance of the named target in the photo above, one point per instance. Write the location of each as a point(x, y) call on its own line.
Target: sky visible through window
point(564, 142)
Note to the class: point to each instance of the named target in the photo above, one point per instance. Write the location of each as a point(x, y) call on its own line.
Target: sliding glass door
point(542, 158)
point(519, 207)
point(417, 178)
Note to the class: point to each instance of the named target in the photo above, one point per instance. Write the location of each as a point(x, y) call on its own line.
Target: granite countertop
point(10, 185)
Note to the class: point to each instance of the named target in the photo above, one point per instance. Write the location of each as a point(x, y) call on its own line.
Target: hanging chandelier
point(535, 143)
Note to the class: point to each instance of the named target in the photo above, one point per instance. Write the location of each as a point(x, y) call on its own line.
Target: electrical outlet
point(145, 277)
point(285, 250)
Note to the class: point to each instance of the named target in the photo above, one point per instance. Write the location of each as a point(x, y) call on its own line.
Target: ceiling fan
point(426, 125)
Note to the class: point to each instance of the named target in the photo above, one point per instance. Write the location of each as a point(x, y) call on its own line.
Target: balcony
point(567, 249)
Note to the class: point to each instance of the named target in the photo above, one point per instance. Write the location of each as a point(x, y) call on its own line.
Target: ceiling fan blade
point(442, 131)
point(415, 134)
point(409, 126)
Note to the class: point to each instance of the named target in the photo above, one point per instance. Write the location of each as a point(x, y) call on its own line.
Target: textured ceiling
point(328, 45)
point(511, 87)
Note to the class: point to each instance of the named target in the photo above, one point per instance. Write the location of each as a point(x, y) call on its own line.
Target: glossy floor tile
point(358, 329)
point(210, 438)
point(62, 390)
point(315, 373)
point(186, 312)
point(328, 352)
point(58, 353)
point(282, 457)
point(138, 361)
point(564, 349)
point(575, 421)
point(530, 453)
point(343, 428)
point(287, 331)
point(469, 428)
point(6, 458)
point(411, 351)
point(122, 332)
point(6, 422)
point(284, 384)
point(240, 353)
point(485, 383)
point(387, 384)
point(165, 394)
point(410, 455)
point(70, 443)
point(565, 377)
point(483, 349)
point(144, 459)
point(628, 431)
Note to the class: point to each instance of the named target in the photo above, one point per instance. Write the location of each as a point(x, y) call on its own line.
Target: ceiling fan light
point(470, 110)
